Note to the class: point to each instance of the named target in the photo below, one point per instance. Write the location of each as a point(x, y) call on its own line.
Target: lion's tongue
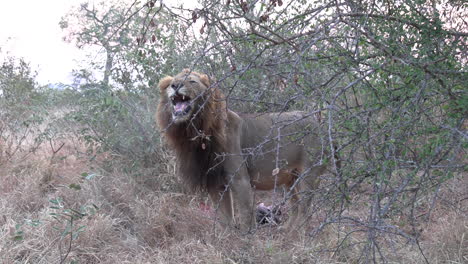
point(180, 107)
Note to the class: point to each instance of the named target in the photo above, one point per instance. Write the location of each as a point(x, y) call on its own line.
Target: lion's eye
point(192, 81)
point(173, 86)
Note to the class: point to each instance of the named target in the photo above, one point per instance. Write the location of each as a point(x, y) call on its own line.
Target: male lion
point(226, 154)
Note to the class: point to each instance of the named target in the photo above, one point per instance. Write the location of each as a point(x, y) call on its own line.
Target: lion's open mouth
point(181, 104)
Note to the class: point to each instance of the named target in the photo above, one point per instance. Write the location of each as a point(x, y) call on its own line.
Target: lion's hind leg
point(302, 193)
point(293, 195)
point(307, 185)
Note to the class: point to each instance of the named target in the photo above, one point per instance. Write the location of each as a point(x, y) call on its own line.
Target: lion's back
point(264, 128)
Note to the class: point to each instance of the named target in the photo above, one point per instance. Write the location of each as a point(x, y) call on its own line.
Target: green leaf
point(56, 201)
point(33, 223)
point(18, 238)
point(90, 176)
point(75, 186)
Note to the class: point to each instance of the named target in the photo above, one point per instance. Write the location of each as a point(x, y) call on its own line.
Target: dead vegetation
point(115, 217)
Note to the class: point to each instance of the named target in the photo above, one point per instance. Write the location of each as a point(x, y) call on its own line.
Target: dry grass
point(133, 218)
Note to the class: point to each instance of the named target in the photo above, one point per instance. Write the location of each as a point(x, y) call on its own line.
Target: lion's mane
point(197, 144)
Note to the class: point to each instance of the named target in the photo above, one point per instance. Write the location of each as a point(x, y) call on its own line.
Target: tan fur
point(227, 154)
point(164, 83)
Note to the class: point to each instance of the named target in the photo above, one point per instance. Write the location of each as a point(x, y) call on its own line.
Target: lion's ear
point(205, 80)
point(164, 83)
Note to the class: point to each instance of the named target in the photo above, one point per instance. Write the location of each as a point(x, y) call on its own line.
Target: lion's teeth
point(183, 97)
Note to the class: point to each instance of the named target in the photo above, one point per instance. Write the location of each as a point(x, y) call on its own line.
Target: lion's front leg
point(242, 195)
point(237, 176)
point(222, 202)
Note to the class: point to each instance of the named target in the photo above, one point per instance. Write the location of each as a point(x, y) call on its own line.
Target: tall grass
point(64, 202)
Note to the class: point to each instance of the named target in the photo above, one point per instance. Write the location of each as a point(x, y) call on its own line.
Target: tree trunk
point(108, 69)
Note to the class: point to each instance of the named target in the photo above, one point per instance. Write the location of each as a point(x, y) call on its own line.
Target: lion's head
point(186, 93)
point(192, 116)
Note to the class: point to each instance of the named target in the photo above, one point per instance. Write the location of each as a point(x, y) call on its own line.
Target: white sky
point(29, 29)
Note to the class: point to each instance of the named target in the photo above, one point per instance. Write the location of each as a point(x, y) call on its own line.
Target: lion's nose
point(176, 86)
